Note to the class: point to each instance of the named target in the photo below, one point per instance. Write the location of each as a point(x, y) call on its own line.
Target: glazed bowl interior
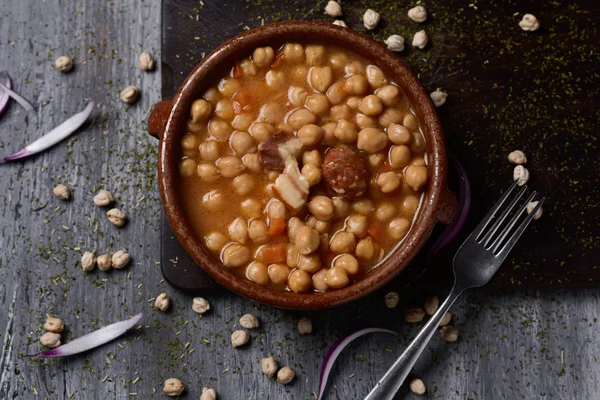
point(214, 67)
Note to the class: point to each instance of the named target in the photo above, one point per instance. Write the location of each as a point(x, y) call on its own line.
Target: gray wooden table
point(512, 346)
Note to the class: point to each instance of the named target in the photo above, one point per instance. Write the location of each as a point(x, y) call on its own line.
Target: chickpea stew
point(302, 168)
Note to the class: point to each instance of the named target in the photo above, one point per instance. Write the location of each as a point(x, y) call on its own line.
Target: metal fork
point(475, 264)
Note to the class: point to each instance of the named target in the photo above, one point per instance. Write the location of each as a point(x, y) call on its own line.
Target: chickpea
point(390, 116)
point(353, 102)
point(275, 79)
point(409, 205)
point(376, 77)
point(276, 209)
point(324, 245)
point(212, 200)
point(257, 273)
point(252, 163)
point(187, 166)
point(341, 111)
point(219, 129)
point(398, 228)
point(306, 240)
point(208, 172)
point(242, 121)
point(285, 127)
point(357, 224)
point(243, 184)
point(365, 249)
point(271, 112)
point(299, 73)
point(345, 131)
point(238, 230)
point(338, 61)
point(363, 121)
point(293, 53)
point(399, 134)
point(410, 122)
point(318, 104)
point(336, 93)
point(363, 206)
point(321, 207)
point(251, 208)
point(347, 262)
point(371, 140)
point(235, 255)
point(228, 86)
point(263, 56)
point(215, 241)
point(224, 109)
point(258, 231)
point(399, 156)
point(319, 280)
point(342, 242)
point(230, 166)
point(329, 137)
point(389, 95)
point(189, 142)
point(310, 134)
point(201, 110)
point(315, 55)
point(341, 207)
point(337, 278)
point(320, 78)
point(388, 181)
point(261, 131)
point(292, 255)
point(312, 173)
point(356, 85)
point(300, 117)
point(212, 95)
point(376, 160)
point(418, 143)
point(196, 128)
point(242, 143)
point(278, 273)
point(371, 105)
point(354, 67)
point(312, 157)
point(299, 281)
point(294, 224)
point(385, 211)
point(418, 162)
point(297, 96)
point(315, 223)
point(248, 67)
point(209, 150)
point(416, 176)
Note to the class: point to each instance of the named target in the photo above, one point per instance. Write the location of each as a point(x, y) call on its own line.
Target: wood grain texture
point(510, 345)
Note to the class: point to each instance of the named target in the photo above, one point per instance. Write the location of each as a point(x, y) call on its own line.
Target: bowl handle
point(158, 118)
point(448, 207)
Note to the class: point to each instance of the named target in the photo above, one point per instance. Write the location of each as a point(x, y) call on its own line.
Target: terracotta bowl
point(169, 118)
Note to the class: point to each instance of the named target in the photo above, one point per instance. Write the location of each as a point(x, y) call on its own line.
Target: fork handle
point(389, 384)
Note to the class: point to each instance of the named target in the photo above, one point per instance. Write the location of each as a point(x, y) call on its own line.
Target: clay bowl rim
point(242, 45)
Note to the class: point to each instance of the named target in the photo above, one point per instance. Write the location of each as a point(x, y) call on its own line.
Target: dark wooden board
point(508, 90)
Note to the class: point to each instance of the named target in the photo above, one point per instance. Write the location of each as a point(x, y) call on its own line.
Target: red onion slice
point(93, 339)
point(4, 97)
point(335, 351)
point(18, 98)
point(57, 134)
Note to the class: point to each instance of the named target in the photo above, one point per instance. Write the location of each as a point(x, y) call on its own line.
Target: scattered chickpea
point(200, 305)
point(130, 94)
point(449, 333)
point(517, 157)
point(438, 97)
point(446, 319)
point(530, 206)
point(395, 43)
point(50, 339)
point(305, 326)
point(88, 261)
point(413, 314)
point(417, 14)
point(103, 198)
point(339, 22)
point(64, 64)
point(120, 259)
point(529, 23)
point(104, 262)
point(162, 302)
point(392, 299)
point(146, 61)
point(521, 174)
point(173, 387)
point(249, 321)
point(116, 217)
point(285, 375)
point(417, 386)
point(54, 325)
point(62, 192)
point(420, 39)
point(371, 19)
point(269, 366)
point(333, 9)
point(239, 338)
point(431, 305)
point(208, 394)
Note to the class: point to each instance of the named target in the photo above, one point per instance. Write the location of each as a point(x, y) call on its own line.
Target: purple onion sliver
point(93, 339)
point(4, 97)
point(335, 351)
point(18, 98)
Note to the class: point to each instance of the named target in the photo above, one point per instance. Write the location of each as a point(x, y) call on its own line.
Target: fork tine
point(517, 234)
point(498, 241)
point(490, 234)
point(484, 223)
